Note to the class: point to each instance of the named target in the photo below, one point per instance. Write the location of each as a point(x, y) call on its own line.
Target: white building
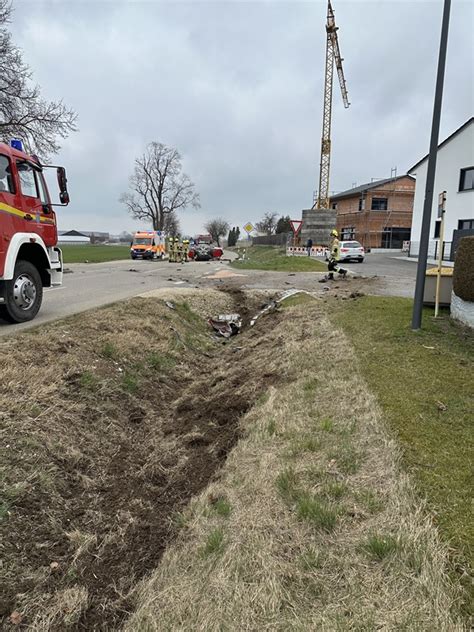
point(73, 237)
point(455, 175)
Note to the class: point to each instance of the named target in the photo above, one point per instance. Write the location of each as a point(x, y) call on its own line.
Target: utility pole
point(430, 176)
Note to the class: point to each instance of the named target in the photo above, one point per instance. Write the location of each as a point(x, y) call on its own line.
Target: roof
point(71, 233)
point(445, 141)
point(365, 187)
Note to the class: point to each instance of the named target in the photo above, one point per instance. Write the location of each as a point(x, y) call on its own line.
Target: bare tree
point(172, 226)
point(158, 186)
point(23, 112)
point(268, 223)
point(217, 228)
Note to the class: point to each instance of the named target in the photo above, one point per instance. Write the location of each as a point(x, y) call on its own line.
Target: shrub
point(463, 275)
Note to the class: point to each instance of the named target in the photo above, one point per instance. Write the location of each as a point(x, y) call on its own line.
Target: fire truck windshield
point(141, 241)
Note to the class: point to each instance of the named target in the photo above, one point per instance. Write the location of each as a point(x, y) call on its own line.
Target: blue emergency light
point(15, 143)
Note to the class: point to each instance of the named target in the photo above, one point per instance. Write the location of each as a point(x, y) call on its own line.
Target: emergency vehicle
point(29, 257)
point(148, 244)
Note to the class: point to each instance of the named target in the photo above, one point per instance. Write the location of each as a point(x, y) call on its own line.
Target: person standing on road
point(309, 245)
point(334, 256)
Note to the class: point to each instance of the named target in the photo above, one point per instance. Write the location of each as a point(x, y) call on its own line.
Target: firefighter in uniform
point(334, 255)
point(179, 250)
point(171, 250)
point(185, 250)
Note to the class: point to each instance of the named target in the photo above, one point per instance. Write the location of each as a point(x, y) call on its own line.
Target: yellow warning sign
point(248, 227)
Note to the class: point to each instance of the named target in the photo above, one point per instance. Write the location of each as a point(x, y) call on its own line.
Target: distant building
point(455, 175)
point(73, 237)
point(97, 236)
point(377, 214)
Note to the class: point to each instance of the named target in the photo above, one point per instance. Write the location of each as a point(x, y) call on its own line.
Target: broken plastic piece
point(226, 325)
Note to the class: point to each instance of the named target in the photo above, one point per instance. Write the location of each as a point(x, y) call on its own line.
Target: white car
point(351, 250)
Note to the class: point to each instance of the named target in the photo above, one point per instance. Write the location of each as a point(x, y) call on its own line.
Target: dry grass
point(111, 421)
point(325, 532)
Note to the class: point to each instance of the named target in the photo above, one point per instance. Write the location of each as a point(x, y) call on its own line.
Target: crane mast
point(333, 58)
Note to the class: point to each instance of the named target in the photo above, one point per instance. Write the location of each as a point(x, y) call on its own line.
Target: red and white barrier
point(302, 251)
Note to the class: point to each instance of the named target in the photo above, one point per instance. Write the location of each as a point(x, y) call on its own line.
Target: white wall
point(452, 157)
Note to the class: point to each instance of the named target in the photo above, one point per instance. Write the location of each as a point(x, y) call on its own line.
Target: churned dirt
point(111, 421)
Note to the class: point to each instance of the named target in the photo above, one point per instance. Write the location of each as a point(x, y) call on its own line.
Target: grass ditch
point(424, 383)
point(274, 258)
point(104, 444)
point(325, 531)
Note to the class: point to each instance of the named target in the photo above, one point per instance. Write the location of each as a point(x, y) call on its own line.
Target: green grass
point(287, 484)
point(214, 543)
point(379, 547)
point(160, 362)
point(274, 258)
point(110, 351)
point(222, 507)
point(317, 512)
point(94, 253)
point(424, 382)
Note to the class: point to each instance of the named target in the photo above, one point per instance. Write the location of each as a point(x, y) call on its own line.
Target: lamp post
point(430, 176)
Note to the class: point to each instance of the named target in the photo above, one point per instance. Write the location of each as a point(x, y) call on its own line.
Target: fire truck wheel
point(24, 293)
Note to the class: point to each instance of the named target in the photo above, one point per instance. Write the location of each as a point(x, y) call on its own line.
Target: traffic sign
point(249, 227)
point(296, 225)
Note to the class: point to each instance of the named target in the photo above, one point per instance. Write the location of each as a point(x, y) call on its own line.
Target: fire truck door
point(39, 216)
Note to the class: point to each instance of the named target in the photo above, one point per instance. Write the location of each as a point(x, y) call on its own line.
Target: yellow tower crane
point(333, 57)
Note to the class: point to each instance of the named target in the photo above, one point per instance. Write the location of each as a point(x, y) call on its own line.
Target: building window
point(361, 204)
point(348, 232)
point(6, 180)
point(466, 180)
point(379, 204)
point(334, 206)
point(437, 229)
point(466, 224)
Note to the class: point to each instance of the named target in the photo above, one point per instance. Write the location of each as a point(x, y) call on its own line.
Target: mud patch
point(119, 418)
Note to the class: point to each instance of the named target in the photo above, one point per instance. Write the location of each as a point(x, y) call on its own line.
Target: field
point(94, 253)
point(274, 258)
point(423, 382)
point(154, 478)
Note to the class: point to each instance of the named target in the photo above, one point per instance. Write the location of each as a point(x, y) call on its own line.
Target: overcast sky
point(237, 88)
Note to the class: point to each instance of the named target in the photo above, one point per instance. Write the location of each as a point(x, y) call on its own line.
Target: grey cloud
point(237, 88)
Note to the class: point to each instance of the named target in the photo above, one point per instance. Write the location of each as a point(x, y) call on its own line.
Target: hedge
point(463, 275)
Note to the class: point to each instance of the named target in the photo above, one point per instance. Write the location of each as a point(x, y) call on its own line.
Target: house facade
point(455, 175)
point(377, 214)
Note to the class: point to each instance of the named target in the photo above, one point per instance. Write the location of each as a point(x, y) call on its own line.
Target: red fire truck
point(29, 257)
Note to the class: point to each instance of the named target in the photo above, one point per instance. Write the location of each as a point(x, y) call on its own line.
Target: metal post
point(430, 176)
point(440, 264)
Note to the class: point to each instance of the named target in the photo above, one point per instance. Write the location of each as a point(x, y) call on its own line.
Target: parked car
point(351, 250)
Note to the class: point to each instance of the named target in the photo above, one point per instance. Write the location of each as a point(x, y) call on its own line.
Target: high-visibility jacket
point(335, 249)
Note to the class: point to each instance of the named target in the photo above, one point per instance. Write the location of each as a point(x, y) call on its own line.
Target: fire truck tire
point(23, 294)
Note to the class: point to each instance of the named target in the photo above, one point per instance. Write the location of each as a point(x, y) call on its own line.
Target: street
point(86, 286)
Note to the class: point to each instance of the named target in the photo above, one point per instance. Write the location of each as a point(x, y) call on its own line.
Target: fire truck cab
point(29, 257)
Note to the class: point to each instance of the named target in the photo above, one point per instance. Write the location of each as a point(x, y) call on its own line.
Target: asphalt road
point(91, 285)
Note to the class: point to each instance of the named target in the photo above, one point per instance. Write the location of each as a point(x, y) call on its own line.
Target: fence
point(433, 249)
point(281, 239)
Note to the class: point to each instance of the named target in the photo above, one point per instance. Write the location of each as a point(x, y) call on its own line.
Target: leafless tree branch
point(23, 112)
point(159, 188)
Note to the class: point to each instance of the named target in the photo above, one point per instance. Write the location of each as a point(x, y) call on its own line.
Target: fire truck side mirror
point(62, 182)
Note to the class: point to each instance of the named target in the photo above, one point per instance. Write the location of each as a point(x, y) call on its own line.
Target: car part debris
point(226, 325)
point(170, 305)
point(275, 303)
